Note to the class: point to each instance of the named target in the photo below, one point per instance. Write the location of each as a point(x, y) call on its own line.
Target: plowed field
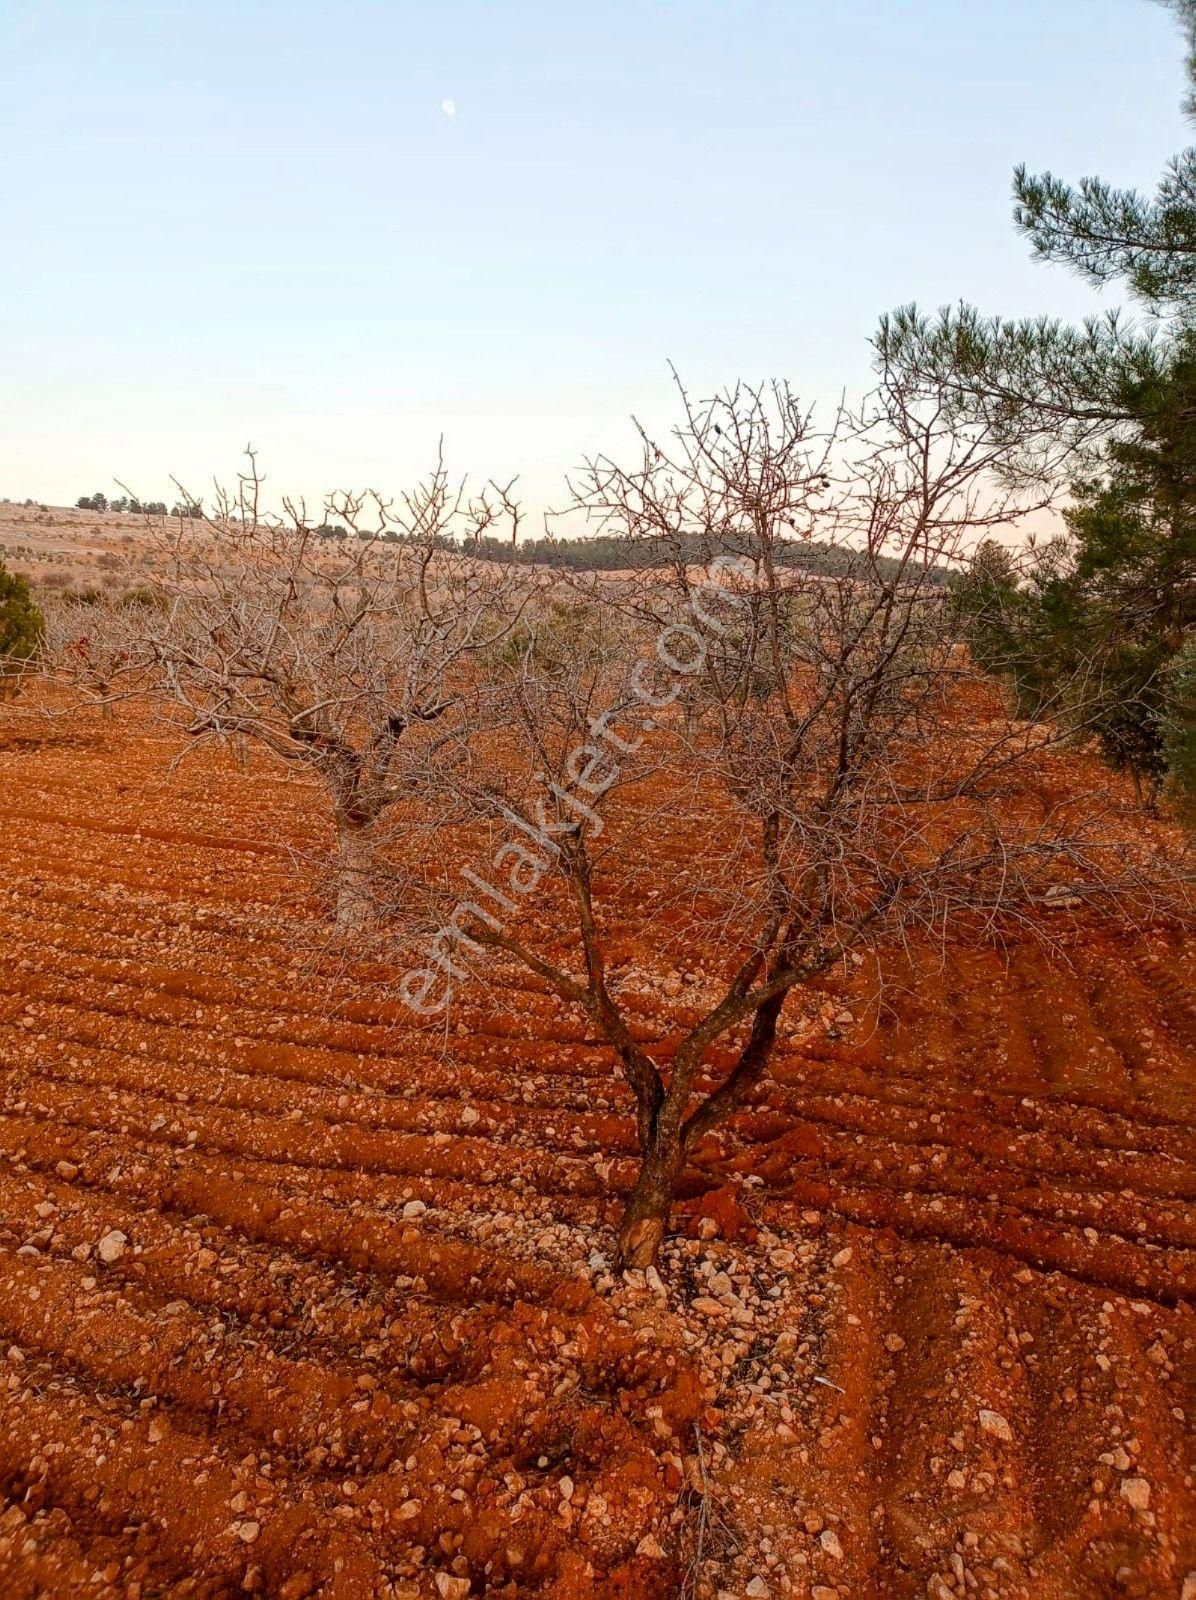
point(296, 1300)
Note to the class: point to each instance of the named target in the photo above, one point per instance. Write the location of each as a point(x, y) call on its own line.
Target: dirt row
point(297, 1299)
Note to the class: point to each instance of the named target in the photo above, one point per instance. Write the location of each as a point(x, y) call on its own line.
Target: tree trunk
point(354, 901)
point(641, 1229)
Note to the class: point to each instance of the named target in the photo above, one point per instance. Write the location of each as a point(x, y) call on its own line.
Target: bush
point(553, 641)
point(1179, 723)
point(21, 629)
point(146, 597)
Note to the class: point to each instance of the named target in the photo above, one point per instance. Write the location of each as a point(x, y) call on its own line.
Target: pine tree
point(1055, 388)
point(1111, 405)
point(21, 627)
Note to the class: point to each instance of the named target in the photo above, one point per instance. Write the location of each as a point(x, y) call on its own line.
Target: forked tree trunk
point(354, 900)
point(646, 1214)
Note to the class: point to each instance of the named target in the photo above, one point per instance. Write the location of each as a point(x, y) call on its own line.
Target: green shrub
point(21, 629)
point(1179, 723)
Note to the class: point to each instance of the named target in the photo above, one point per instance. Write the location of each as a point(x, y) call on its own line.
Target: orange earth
point(300, 1300)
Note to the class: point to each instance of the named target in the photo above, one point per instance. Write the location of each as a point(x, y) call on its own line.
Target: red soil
point(925, 1329)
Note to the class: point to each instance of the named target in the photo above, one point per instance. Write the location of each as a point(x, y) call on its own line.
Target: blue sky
point(254, 221)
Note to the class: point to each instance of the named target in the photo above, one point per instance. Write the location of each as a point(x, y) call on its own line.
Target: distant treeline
point(600, 552)
point(612, 552)
point(604, 552)
point(132, 506)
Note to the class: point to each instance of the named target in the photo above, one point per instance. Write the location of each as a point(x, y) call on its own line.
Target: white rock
point(112, 1246)
point(416, 1208)
point(469, 1116)
point(649, 1547)
point(993, 1422)
point(450, 1588)
point(756, 1588)
point(829, 1540)
point(1137, 1492)
point(842, 1258)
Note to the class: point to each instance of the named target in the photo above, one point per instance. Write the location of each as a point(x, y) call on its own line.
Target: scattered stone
point(993, 1422)
point(894, 1342)
point(650, 1548)
point(415, 1208)
point(756, 1588)
point(450, 1588)
point(112, 1246)
point(247, 1532)
point(842, 1257)
point(66, 1170)
point(470, 1117)
point(1136, 1491)
point(829, 1540)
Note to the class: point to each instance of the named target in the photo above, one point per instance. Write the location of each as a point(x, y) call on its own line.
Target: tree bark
point(354, 901)
point(641, 1229)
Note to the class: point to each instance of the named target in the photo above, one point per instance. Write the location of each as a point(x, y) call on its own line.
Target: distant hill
point(606, 552)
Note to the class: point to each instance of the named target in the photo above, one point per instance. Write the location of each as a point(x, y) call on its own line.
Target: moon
point(449, 108)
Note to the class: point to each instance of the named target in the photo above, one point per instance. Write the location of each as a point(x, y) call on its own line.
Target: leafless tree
point(841, 779)
point(328, 643)
point(95, 647)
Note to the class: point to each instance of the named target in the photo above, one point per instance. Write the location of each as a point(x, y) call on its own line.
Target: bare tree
point(95, 647)
point(840, 779)
point(328, 643)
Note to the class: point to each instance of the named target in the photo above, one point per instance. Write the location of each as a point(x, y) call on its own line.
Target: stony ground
point(297, 1301)
point(63, 547)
